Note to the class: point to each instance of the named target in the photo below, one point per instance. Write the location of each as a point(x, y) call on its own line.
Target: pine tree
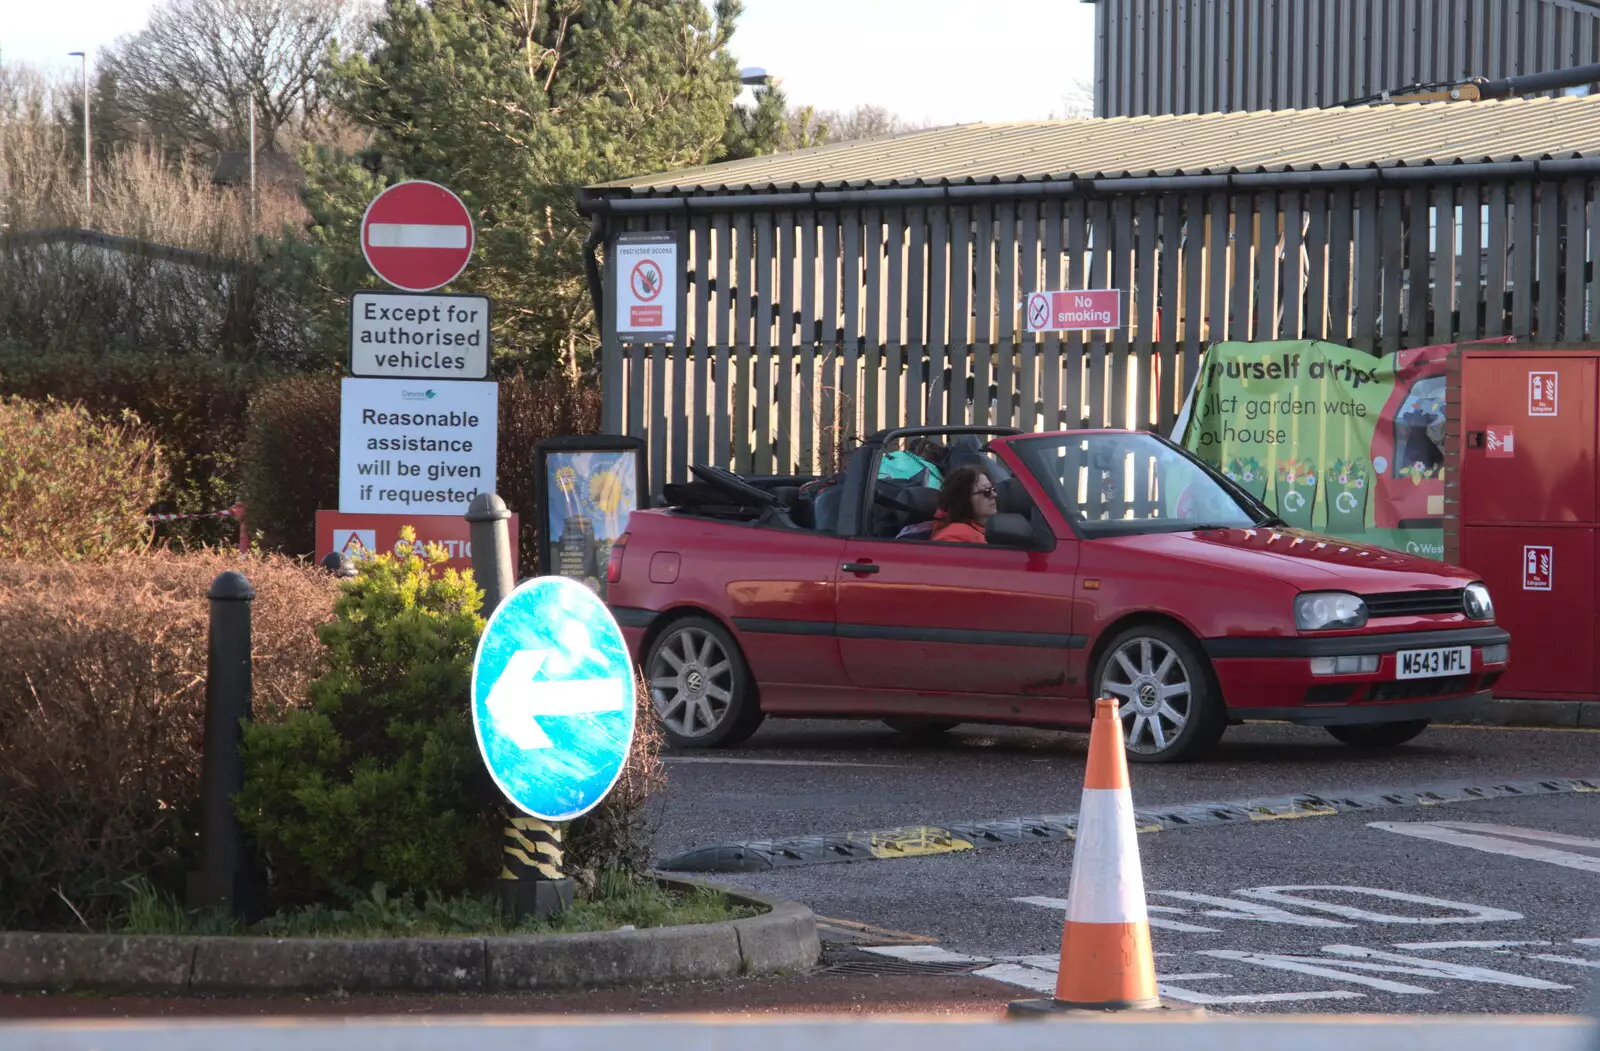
point(515, 105)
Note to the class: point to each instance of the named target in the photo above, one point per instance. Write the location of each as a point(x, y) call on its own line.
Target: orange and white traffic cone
point(1106, 961)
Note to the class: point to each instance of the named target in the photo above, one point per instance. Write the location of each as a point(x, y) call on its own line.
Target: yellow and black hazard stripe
point(532, 850)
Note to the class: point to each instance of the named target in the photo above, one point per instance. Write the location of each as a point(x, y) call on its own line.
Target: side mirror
point(1009, 530)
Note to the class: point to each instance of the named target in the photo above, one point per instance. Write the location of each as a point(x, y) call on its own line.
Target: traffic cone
point(1106, 961)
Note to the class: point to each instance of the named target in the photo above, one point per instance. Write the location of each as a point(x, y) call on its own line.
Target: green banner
point(1337, 441)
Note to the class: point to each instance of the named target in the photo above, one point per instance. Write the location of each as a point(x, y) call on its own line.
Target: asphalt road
point(1244, 947)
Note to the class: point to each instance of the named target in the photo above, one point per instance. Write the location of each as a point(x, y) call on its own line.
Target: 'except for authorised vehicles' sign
point(553, 698)
point(426, 336)
point(645, 269)
point(423, 447)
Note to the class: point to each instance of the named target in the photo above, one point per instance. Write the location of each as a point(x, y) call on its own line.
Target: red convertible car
point(1118, 565)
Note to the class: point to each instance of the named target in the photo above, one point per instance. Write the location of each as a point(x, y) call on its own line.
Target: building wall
point(805, 329)
point(1208, 56)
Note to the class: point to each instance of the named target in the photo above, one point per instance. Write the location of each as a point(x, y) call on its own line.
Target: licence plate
point(1428, 664)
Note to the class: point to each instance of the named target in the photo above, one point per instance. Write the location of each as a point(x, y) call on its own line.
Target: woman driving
point(966, 501)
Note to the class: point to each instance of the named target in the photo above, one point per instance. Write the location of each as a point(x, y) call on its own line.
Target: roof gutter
point(591, 202)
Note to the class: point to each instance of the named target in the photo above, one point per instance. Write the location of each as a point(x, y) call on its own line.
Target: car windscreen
point(1120, 484)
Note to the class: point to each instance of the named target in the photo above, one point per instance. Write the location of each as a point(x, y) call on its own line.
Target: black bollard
point(228, 879)
point(490, 532)
point(340, 565)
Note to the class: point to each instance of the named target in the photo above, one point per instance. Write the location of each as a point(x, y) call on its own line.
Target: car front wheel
point(1170, 710)
point(1379, 735)
point(700, 686)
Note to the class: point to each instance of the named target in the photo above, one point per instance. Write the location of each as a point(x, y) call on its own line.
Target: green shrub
point(379, 779)
point(102, 702)
point(72, 486)
point(291, 460)
point(195, 407)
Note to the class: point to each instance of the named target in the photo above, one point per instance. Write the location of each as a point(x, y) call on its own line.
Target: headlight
point(1479, 606)
point(1323, 610)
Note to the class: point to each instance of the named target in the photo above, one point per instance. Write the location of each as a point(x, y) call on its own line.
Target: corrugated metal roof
point(1191, 144)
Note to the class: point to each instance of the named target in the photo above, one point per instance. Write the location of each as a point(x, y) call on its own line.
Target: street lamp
point(88, 154)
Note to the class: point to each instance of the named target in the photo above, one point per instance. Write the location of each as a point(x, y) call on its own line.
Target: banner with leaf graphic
point(1335, 440)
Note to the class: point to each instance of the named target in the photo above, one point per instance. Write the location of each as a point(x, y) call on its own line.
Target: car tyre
point(1378, 735)
point(700, 686)
point(919, 727)
point(1168, 700)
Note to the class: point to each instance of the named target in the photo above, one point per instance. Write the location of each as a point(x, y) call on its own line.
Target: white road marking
point(1352, 970)
point(1234, 909)
point(772, 762)
point(1475, 913)
point(1154, 921)
point(1016, 974)
point(1432, 946)
point(416, 235)
point(1194, 996)
point(923, 954)
point(1464, 834)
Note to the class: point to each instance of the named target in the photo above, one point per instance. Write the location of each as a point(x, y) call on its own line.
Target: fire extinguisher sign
point(1542, 391)
point(1538, 568)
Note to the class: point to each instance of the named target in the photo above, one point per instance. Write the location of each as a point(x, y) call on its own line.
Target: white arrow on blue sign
point(553, 698)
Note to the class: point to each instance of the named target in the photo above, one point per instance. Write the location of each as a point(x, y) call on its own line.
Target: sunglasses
point(990, 491)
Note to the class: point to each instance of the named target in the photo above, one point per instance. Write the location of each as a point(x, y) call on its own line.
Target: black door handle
point(859, 567)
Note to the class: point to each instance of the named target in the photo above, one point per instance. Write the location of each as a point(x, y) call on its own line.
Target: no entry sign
point(417, 236)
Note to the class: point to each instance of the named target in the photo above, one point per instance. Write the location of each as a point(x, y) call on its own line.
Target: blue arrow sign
point(553, 698)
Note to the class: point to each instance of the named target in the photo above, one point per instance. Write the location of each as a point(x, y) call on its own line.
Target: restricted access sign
point(553, 698)
point(405, 335)
point(416, 447)
point(1071, 311)
point(645, 269)
point(417, 236)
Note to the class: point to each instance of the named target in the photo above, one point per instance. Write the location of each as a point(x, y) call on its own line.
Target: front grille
point(1418, 689)
point(1329, 693)
point(1415, 603)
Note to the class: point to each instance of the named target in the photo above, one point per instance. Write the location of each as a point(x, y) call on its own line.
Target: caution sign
point(646, 283)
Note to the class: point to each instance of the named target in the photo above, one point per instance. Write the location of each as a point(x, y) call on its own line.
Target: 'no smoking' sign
point(647, 287)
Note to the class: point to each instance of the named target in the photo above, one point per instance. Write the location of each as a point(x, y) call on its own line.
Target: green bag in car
point(909, 467)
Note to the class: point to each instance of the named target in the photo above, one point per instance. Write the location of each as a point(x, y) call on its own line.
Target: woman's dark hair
point(955, 498)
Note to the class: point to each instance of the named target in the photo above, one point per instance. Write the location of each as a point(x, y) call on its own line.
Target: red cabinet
point(1529, 519)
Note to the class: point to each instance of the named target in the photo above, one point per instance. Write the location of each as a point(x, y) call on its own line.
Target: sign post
point(418, 416)
point(553, 711)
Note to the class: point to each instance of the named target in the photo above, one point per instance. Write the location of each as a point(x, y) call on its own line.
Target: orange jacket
point(950, 532)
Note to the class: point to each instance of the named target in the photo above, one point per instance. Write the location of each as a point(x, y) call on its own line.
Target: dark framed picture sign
point(588, 484)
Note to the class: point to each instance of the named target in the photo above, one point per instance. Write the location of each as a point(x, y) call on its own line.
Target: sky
point(930, 61)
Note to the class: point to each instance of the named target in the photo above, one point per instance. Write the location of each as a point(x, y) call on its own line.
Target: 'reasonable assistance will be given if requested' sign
point(423, 447)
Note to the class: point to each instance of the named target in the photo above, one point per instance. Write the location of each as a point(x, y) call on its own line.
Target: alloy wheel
point(1154, 693)
point(691, 682)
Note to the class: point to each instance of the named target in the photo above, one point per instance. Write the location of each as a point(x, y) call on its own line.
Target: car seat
point(799, 507)
point(1012, 498)
point(825, 509)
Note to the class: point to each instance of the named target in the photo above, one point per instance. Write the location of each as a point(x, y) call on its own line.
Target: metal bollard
point(531, 881)
point(228, 879)
point(341, 566)
point(490, 533)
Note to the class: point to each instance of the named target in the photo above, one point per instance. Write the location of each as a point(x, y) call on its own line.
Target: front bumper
point(1271, 678)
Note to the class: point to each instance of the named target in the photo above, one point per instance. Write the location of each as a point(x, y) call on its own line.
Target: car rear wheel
point(919, 727)
point(1170, 710)
point(700, 686)
point(1379, 735)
